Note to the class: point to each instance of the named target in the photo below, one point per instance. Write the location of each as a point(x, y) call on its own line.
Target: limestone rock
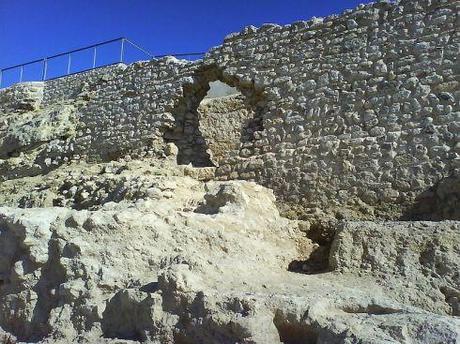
point(423, 256)
point(211, 265)
point(137, 202)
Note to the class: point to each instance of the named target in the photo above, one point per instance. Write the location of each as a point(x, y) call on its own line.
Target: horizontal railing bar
point(65, 53)
point(44, 61)
point(85, 48)
point(22, 64)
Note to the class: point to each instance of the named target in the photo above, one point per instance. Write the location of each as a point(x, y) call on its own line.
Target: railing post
point(45, 67)
point(44, 61)
point(94, 57)
point(69, 63)
point(21, 73)
point(122, 52)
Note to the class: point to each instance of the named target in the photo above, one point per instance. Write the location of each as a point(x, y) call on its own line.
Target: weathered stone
point(347, 117)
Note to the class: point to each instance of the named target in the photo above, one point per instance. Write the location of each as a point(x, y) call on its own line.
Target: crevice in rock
point(318, 260)
point(427, 255)
point(452, 297)
point(128, 316)
point(292, 331)
point(10, 320)
point(13, 250)
point(53, 274)
point(150, 287)
point(371, 309)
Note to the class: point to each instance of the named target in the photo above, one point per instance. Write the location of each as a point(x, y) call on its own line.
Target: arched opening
point(216, 119)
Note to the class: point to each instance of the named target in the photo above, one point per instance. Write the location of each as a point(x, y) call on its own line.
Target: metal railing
point(121, 58)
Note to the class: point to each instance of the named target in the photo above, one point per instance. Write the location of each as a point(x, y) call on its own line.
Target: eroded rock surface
point(418, 261)
point(132, 207)
point(198, 262)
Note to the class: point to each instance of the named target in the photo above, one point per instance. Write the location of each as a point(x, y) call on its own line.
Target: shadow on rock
point(440, 202)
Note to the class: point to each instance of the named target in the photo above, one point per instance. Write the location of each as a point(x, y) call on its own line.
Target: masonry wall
point(363, 108)
point(68, 88)
point(223, 122)
point(358, 113)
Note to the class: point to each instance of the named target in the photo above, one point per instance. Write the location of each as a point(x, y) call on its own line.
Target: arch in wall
point(217, 117)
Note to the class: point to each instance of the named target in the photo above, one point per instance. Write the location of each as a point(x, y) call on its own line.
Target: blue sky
point(31, 29)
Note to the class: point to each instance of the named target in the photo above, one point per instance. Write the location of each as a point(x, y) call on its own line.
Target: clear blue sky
point(31, 29)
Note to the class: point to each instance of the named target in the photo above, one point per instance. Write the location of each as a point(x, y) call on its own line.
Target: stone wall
point(21, 97)
point(222, 124)
point(357, 114)
point(70, 87)
point(363, 108)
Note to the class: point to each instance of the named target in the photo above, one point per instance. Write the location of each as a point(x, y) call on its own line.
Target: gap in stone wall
point(217, 118)
point(186, 134)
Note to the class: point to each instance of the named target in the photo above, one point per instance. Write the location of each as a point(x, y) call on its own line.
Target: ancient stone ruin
point(300, 184)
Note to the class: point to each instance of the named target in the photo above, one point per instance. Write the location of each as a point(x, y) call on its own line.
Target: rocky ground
point(149, 251)
point(145, 250)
